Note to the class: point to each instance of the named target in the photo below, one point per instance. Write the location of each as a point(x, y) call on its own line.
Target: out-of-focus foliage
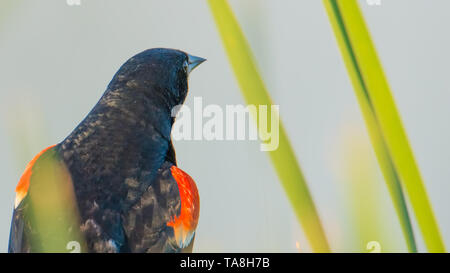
point(52, 208)
point(364, 197)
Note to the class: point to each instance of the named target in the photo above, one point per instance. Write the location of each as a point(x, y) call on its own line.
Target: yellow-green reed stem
point(52, 208)
point(383, 121)
point(255, 93)
point(373, 127)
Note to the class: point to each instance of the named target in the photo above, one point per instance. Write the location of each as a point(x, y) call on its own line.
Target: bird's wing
point(45, 217)
point(185, 223)
point(165, 218)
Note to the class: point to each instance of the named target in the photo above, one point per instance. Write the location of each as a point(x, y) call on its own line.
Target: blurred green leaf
point(52, 208)
point(364, 195)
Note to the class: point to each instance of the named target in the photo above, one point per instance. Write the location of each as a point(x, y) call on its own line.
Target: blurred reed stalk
point(364, 195)
point(255, 92)
point(387, 134)
point(52, 206)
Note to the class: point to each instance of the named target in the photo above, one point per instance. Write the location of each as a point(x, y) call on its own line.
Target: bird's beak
point(194, 61)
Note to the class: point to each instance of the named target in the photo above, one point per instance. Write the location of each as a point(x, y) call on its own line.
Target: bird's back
point(112, 185)
point(148, 218)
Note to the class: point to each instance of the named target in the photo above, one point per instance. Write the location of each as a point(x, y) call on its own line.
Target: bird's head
point(162, 74)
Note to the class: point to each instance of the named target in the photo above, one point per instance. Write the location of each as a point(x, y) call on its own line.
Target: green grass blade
point(383, 121)
point(378, 142)
point(255, 93)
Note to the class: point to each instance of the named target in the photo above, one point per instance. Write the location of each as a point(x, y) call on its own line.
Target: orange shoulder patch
point(24, 182)
point(185, 224)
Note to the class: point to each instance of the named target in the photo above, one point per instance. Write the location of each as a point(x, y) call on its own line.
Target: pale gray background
point(56, 60)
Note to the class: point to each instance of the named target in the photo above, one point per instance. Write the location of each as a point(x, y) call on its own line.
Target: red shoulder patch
point(24, 182)
point(185, 224)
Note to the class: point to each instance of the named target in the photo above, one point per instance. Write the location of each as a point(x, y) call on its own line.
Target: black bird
point(113, 184)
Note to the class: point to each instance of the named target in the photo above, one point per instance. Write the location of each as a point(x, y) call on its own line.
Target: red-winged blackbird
point(113, 184)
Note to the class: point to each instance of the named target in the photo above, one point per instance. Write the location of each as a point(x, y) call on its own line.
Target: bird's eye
point(185, 66)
